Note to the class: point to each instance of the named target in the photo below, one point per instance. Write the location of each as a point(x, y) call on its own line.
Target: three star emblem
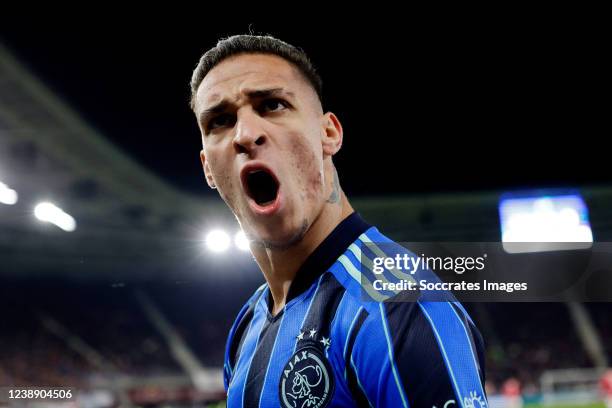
point(312, 334)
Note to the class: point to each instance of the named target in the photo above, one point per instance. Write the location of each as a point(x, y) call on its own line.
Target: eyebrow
point(255, 94)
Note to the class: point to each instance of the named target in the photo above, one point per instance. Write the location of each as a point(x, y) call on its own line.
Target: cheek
point(309, 164)
point(222, 173)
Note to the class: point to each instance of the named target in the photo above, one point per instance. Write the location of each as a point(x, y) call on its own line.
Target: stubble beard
point(285, 244)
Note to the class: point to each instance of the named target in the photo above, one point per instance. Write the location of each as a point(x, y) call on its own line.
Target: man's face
point(264, 148)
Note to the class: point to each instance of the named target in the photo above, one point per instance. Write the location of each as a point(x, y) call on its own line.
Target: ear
point(207, 172)
point(332, 134)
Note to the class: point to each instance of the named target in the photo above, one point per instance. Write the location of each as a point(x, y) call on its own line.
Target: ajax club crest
point(307, 380)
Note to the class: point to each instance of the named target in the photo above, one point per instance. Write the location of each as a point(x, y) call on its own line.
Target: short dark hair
point(255, 44)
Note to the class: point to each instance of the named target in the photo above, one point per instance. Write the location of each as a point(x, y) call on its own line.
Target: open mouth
point(262, 187)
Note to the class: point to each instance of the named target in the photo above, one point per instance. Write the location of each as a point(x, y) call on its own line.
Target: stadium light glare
point(218, 241)
point(49, 212)
point(241, 241)
point(8, 196)
point(561, 218)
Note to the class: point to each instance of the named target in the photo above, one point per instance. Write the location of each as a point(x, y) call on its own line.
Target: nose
point(249, 132)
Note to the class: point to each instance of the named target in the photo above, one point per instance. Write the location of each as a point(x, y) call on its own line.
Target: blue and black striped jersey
point(332, 347)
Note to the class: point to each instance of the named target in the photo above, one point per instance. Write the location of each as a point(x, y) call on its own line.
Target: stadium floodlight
point(49, 212)
point(8, 196)
point(548, 219)
point(218, 241)
point(241, 241)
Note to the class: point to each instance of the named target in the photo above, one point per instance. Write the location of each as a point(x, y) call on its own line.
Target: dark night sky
point(432, 107)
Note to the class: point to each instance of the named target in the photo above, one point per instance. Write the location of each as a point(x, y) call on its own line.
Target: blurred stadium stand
point(130, 305)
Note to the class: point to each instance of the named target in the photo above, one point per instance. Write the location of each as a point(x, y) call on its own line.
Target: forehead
point(241, 73)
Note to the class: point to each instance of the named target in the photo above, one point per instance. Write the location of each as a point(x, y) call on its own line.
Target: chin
point(281, 238)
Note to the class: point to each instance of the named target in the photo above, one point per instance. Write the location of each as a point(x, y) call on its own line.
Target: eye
point(219, 121)
point(273, 105)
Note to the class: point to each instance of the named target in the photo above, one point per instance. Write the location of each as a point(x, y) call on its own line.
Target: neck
point(280, 266)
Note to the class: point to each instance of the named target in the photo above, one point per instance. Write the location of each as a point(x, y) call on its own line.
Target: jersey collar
point(324, 256)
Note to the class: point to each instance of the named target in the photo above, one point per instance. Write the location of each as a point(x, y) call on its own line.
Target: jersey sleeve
point(418, 355)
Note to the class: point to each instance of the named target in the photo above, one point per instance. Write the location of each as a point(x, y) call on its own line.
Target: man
point(307, 338)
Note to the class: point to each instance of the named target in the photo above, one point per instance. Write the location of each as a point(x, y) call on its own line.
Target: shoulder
point(355, 268)
point(238, 329)
point(433, 345)
point(254, 297)
point(246, 311)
